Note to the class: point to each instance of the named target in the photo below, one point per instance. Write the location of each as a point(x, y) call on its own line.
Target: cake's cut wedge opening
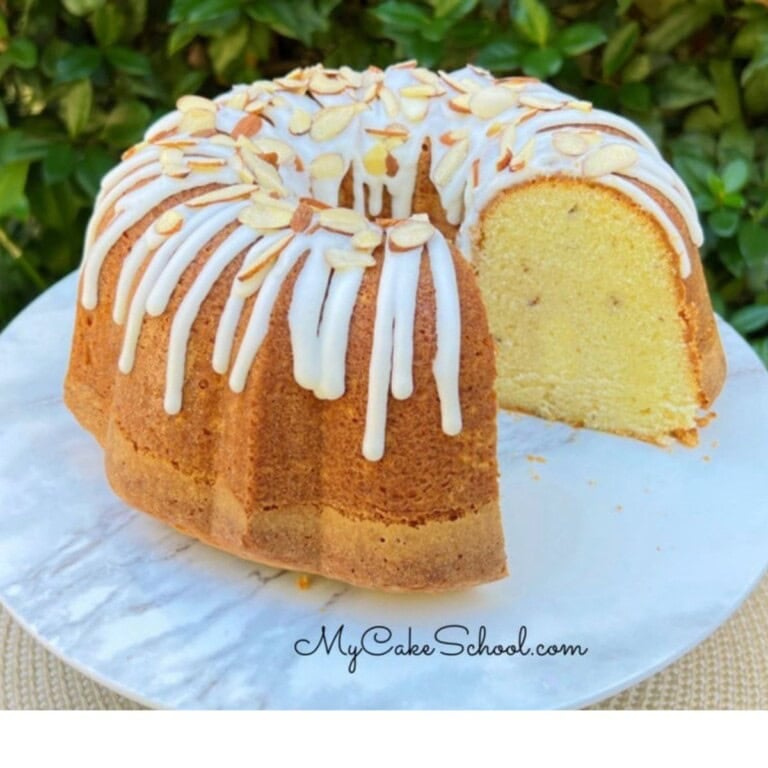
point(584, 301)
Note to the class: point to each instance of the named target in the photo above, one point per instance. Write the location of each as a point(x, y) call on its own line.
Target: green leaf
point(681, 23)
point(750, 319)
point(682, 85)
point(753, 242)
point(128, 61)
point(22, 53)
point(453, 9)
point(227, 50)
point(580, 38)
point(500, 55)
point(107, 23)
point(82, 7)
point(77, 64)
point(542, 62)
point(126, 123)
point(534, 21)
point(191, 11)
point(726, 89)
point(724, 222)
point(735, 175)
point(58, 163)
point(619, 48)
point(635, 96)
point(13, 202)
point(91, 169)
point(75, 106)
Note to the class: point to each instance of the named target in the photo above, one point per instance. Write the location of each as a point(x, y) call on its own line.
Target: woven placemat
point(727, 671)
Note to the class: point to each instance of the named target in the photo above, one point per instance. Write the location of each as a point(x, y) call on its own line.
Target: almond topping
point(415, 109)
point(460, 104)
point(570, 143)
point(206, 164)
point(266, 217)
point(451, 162)
point(375, 159)
point(327, 166)
point(315, 205)
point(251, 278)
point(391, 131)
point(539, 102)
point(190, 102)
point(169, 223)
point(247, 126)
point(355, 79)
point(237, 100)
point(264, 145)
point(339, 258)
point(410, 64)
point(222, 195)
point(342, 220)
point(410, 234)
point(519, 161)
point(504, 159)
point(451, 137)
point(302, 217)
point(389, 101)
point(263, 173)
point(425, 76)
point(222, 140)
point(331, 121)
point(609, 159)
point(476, 172)
point(582, 106)
point(323, 84)
point(452, 81)
point(366, 239)
point(198, 121)
point(421, 91)
point(492, 101)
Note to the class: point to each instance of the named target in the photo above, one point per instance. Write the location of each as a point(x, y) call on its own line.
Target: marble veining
point(632, 551)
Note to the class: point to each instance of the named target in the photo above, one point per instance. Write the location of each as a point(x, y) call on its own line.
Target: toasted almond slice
point(410, 234)
point(266, 217)
point(371, 92)
point(479, 70)
point(300, 122)
point(131, 151)
point(175, 143)
point(475, 172)
point(492, 101)
point(315, 205)
point(427, 76)
point(582, 106)
point(451, 162)
point(171, 156)
point(187, 103)
point(198, 121)
point(353, 78)
point(325, 84)
point(410, 64)
point(206, 164)
point(264, 260)
point(367, 239)
point(494, 129)
point(264, 174)
point(249, 125)
point(391, 131)
point(392, 165)
point(460, 104)
point(449, 138)
point(257, 106)
point(472, 86)
point(302, 217)
point(338, 258)
point(222, 195)
point(539, 102)
point(390, 102)
point(331, 121)
point(507, 138)
point(289, 84)
point(237, 100)
point(178, 171)
point(420, 91)
point(414, 109)
point(504, 159)
point(222, 140)
point(518, 80)
point(525, 115)
point(343, 220)
point(169, 222)
point(522, 159)
point(452, 81)
point(570, 143)
point(375, 159)
point(327, 166)
point(265, 146)
point(610, 158)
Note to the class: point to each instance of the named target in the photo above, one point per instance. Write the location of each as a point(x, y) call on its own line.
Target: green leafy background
point(81, 79)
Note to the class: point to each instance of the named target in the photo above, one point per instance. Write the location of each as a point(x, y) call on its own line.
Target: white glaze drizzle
point(466, 178)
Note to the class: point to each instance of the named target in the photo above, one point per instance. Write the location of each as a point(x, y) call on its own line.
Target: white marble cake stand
point(634, 552)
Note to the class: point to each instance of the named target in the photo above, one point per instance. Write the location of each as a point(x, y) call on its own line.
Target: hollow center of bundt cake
point(583, 303)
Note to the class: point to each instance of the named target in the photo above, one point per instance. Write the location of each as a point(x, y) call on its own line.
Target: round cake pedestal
point(631, 552)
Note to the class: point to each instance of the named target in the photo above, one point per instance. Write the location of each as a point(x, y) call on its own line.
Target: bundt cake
point(300, 302)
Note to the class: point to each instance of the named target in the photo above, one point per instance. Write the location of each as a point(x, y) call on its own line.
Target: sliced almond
point(472, 86)
point(504, 159)
point(314, 204)
point(611, 158)
point(169, 223)
point(131, 151)
point(410, 64)
point(222, 140)
point(375, 159)
point(421, 91)
point(353, 78)
point(300, 122)
point(475, 172)
point(289, 84)
point(371, 92)
point(479, 70)
point(198, 121)
point(257, 106)
point(392, 131)
point(570, 143)
point(343, 220)
point(237, 100)
point(327, 166)
point(176, 143)
point(460, 104)
point(171, 156)
point(222, 195)
point(452, 81)
point(249, 125)
point(390, 102)
point(582, 106)
point(331, 121)
point(190, 102)
point(450, 162)
point(449, 138)
point(518, 80)
point(206, 164)
point(302, 217)
point(266, 217)
point(522, 159)
point(539, 102)
point(325, 84)
point(265, 259)
point(492, 101)
point(263, 172)
point(265, 146)
point(367, 239)
point(338, 258)
point(525, 115)
point(426, 76)
point(415, 109)
point(410, 234)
